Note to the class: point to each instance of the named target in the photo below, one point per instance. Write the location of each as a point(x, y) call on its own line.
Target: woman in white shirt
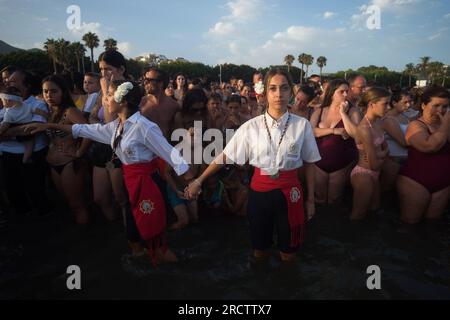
point(138, 143)
point(276, 143)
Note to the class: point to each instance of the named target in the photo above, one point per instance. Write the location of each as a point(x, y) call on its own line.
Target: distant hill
point(6, 48)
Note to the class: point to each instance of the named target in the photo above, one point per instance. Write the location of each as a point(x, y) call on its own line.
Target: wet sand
point(215, 260)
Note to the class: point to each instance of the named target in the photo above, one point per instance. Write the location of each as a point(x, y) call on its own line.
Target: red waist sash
point(290, 186)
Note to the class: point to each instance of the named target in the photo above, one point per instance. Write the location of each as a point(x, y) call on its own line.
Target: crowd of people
point(108, 139)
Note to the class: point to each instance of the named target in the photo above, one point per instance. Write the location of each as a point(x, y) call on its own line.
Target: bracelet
point(198, 182)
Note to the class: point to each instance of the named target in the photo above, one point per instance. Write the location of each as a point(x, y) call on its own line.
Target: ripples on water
point(216, 263)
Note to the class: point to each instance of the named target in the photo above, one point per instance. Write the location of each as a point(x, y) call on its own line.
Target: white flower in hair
point(122, 91)
point(259, 88)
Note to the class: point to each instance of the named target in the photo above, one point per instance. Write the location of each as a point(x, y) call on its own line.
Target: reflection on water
point(215, 261)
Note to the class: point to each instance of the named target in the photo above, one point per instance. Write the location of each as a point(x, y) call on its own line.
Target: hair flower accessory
point(122, 91)
point(259, 88)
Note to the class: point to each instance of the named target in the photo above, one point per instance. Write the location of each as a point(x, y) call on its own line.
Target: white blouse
point(252, 144)
point(142, 141)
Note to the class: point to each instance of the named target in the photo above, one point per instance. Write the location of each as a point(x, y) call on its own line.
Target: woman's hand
point(193, 190)
point(34, 128)
point(343, 107)
point(181, 195)
point(310, 209)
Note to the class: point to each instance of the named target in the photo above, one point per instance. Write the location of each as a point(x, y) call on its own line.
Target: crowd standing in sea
point(290, 149)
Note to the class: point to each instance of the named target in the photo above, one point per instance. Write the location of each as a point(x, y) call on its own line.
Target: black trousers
point(25, 183)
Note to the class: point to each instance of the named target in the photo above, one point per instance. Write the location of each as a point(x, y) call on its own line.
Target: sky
point(254, 32)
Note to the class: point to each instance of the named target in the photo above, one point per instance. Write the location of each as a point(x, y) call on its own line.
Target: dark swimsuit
point(56, 133)
point(336, 152)
point(431, 170)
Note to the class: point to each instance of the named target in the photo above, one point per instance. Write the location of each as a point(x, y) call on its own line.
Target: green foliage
point(36, 61)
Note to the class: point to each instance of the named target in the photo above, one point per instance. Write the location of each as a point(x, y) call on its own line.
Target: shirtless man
point(155, 105)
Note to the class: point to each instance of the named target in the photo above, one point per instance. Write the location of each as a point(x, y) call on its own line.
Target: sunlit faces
point(233, 108)
point(240, 84)
point(359, 86)
point(180, 81)
point(380, 106)
point(257, 78)
point(91, 84)
point(109, 71)
point(435, 107)
point(245, 92)
point(301, 101)
point(341, 93)
point(214, 105)
point(113, 106)
point(16, 80)
point(52, 94)
point(153, 83)
point(404, 104)
point(278, 92)
point(169, 91)
point(5, 77)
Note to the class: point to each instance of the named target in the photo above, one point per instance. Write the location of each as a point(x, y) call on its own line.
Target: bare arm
point(418, 136)
point(392, 128)
point(4, 126)
point(315, 120)
point(350, 122)
point(76, 117)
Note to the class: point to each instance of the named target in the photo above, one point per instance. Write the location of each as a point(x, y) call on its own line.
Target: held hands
point(193, 190)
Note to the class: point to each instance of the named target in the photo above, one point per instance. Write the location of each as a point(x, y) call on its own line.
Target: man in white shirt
point(26, 182)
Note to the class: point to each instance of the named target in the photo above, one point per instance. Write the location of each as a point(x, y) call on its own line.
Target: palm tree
point(91, 40)
point(289, 60)
point(309, 61)
point(424, 61)
point(78, 50)
point(110, 44)
point(302, 59)
point(321, 62)
point(410, 70)
point(50, 47)
point(435, 70)
point(63, 53)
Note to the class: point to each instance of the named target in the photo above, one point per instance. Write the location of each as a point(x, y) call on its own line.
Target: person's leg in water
point(28, 150)
point(192, 207)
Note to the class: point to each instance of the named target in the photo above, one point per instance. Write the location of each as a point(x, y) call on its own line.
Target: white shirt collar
point(134, 118)
point(271, 122)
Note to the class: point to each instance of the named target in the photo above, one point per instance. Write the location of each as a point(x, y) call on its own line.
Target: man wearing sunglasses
point(155, 105)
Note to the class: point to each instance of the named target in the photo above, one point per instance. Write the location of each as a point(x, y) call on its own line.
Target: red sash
point(290, 186)
point(147, 204)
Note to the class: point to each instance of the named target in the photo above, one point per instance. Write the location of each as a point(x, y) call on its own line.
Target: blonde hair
point(374, 94)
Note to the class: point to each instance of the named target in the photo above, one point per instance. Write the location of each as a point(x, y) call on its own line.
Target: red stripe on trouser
point(289, 185)
point(147, 204)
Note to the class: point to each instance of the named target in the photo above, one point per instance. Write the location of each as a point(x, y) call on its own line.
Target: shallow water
point(215, 261)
